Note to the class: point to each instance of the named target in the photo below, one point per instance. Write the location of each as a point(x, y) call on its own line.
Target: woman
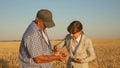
point(78, 45)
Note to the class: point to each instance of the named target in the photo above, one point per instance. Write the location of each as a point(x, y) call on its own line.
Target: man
point(35, 49)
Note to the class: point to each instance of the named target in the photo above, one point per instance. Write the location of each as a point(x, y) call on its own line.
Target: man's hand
point(57, 52)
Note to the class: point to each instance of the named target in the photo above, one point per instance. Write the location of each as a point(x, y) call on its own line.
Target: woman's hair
point(75, 27)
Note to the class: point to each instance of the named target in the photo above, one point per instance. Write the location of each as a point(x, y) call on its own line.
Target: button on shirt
point(32, 45)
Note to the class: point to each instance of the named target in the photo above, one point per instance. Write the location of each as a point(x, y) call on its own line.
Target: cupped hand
point(77, 59)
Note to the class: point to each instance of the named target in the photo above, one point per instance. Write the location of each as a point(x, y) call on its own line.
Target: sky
point(100, 18)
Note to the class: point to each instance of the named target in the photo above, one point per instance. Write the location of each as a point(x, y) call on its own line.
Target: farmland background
point(107, 51)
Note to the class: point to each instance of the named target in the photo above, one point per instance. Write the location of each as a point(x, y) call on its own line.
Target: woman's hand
point(77, 59)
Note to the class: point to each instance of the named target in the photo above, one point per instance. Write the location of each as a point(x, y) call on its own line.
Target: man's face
point(41, 24)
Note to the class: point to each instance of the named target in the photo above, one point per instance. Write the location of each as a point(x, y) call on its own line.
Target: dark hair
point(75, 27)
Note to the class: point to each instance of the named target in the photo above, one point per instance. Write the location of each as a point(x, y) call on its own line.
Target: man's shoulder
point(31, 30)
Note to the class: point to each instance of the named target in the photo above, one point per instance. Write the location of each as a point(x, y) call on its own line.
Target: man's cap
point(46, 17)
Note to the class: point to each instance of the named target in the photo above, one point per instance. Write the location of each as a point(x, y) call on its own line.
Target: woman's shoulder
point(86, 38)
point(67, 36)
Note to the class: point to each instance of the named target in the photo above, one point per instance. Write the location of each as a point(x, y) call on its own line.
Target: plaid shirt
point(33, 44)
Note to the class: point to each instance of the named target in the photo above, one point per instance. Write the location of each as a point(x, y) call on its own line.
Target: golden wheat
point(107, 51)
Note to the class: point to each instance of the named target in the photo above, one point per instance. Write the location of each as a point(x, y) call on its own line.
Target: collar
point(78, 38)
point(35, 26)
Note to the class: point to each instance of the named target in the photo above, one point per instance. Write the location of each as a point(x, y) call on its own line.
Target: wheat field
point(107, 51)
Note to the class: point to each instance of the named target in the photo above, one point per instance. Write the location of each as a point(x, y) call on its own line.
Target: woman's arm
point(90, 52)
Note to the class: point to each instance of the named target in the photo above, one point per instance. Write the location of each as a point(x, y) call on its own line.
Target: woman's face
point(75, 35)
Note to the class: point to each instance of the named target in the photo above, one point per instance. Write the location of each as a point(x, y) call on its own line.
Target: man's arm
point(46, 58)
